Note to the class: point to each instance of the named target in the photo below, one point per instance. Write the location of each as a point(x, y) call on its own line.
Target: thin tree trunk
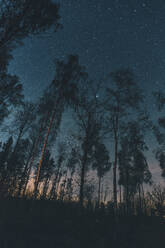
point(43, 125)
point(45, 188)
point(127, 192)
point(114, 187)
point(115, 124)
point(58, 183)
point(143, 200)
point(43, 151)
point(81, 194)
point(120, 194)
point(140, 205)
point(115, 163)
point(13, 180)
point(25, 172)
point(99, 188)
point(53, 189)
point(62, 193)
point(102, 193)
point(18, 140)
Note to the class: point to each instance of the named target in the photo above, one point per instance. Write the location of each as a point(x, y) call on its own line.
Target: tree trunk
point(53, 189)
point(13, 179)
point(63, 188)
point(81, 194)
point(43, 150)
point(18, 140)
point(127, 192)
point(58, 182)
point(143, 200)
point(25, 172)
point(140, 201)
point(43, 125)
point(45, 188)
point(99, 189)
point(115, 163)
point(120, 194)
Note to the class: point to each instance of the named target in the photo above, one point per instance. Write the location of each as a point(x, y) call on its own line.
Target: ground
point(49, 224)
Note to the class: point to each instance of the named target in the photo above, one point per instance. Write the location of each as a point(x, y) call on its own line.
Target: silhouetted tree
point(35, 139)
point(159, 130)
point(10, 94)
point(12, 164)
point(62, 92)
point(122, 96)
point(18, 20)
point(133, 166)
point(89, 120)
point(58, 169)
point(101, 164)
point(45, 175)
point(72, 162)
point(22, 18)
point(5, 154)
point(157, 197)
point(16, 164)
point(23, 120)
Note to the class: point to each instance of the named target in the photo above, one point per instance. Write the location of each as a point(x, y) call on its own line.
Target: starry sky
point(107, 35)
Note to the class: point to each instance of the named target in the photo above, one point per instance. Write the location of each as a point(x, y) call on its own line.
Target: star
point(143, 5)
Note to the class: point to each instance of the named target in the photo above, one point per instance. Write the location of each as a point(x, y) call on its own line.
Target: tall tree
point(23, 120)
point(12, 164)
point(6, 150)
point(133, 166)
point(10, 94)
point(72, 162)
point(158, 130)
point(58, 169)
point(122, 96)
point(45, 175)
point(101, 164)
point(62, 92)
point(89, 120)
point(18, 20)
point(16, 165)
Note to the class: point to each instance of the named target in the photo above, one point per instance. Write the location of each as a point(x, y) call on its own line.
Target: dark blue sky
point(106, 34)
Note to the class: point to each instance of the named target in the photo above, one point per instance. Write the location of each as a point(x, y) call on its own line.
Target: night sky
point(107, 35)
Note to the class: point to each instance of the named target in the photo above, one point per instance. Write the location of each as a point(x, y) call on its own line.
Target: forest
point(89, 187)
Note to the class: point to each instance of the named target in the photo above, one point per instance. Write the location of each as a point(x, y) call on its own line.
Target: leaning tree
point(62, 92)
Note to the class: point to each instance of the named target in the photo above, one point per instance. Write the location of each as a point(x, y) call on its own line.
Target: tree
point(122, 96)
point(12, 164)
point(5, 154)
point(101, 164)
point(89, 120)
point(16, 164)
point(157, 197)
point(18, 20)
point(58, 169)
point(46, 173)
point(72, 161)
point(23, 120)
point(62, 92)
point(133, 166)
point(159, 131)
point(10, 94)
point(22, 18)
